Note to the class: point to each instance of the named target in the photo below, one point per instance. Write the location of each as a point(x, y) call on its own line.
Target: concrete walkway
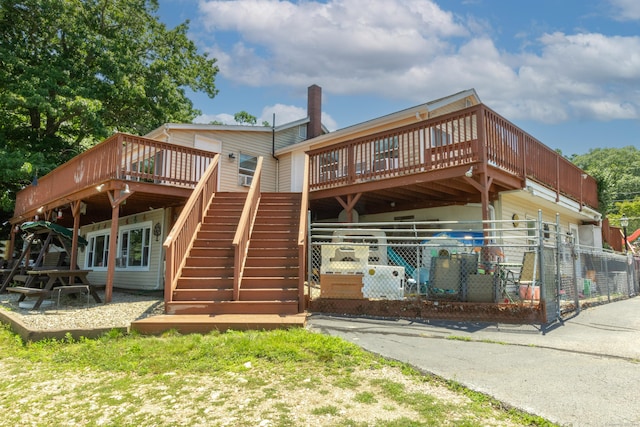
point(582, 372)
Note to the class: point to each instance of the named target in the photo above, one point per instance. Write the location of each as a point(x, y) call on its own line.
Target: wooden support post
point(483, 188)
point(349, 204)
point(113, 247)
point(73, 256)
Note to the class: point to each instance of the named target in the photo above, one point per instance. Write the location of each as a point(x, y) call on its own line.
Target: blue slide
point(398, 260)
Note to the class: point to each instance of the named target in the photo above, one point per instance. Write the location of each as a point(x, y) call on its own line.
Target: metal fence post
point(574, 261)
point(540, 249)
point(558, 266)
point(629, 263)
point(606, 275)
point(310, 264)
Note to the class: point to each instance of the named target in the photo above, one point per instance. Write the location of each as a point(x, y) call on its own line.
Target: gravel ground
point(77, 313)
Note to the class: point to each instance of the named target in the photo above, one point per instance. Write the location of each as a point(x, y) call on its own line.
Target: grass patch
point(326, 410)
point(277, 378)
point(366, 397)
point(458, 338)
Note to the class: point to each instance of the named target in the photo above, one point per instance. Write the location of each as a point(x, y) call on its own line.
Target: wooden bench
point(71, 289)
point(27, 291)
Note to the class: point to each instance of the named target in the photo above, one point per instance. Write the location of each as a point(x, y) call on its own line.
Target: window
point(246, 169)
point(302, 131)
point(97, 251)
point(386, 148)
point(329, 165)
point(440, 137)
point(146, 169)
point(134, 246)
point(385, 154)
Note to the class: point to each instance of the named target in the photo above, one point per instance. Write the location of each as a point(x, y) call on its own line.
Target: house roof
point(420, 111)
point(235, 128)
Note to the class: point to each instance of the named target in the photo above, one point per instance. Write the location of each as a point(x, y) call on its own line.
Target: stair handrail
point(245, 226)
point(181, 237)
point(302, 235)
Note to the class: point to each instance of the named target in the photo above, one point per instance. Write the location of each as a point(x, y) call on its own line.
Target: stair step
point(204, 283)
point(208, 252)
point(261, 261)
point(273, 252)
point(215, 262)
point(216, 235)
point(270, 271)
point(211, 244)
point(205, 323)
point(228, 213)
point(232, 307)
point(283, 240)
point(220, 225)
point(202, 294)
point(289, 244)
point(277, 220)
point(204, 272)
point(269, 294)
point(274, 231)
point(261, 282)
point(222, 218)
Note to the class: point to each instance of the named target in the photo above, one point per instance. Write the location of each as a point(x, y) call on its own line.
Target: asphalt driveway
point(582, 372)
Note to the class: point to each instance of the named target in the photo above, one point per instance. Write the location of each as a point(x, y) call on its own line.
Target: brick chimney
point(314, 111)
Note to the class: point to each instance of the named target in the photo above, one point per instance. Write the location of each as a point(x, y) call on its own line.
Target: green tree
point(72, 72)
point(617, 171)
point(630, 209)
point(243, 117)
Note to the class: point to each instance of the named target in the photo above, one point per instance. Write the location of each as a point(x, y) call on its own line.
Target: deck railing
point(122, 156)
point(245, 225)
point(473, 135)
point(180, 238)
point(302, 236)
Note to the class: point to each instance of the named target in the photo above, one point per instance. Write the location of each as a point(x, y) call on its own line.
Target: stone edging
point(59, 334)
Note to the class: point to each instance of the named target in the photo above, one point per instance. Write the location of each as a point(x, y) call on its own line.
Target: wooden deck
point(160, 174)
point(440, 161)
point(205, 323)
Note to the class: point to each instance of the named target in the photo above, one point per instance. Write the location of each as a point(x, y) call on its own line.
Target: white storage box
point(344, 259)
point(383, 282)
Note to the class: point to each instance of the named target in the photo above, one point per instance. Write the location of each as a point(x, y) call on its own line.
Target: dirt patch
point(521, 313)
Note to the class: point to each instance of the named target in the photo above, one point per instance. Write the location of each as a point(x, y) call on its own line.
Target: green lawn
point(273, 378)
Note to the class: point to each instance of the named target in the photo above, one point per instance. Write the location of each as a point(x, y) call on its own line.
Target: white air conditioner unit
point(246, 180)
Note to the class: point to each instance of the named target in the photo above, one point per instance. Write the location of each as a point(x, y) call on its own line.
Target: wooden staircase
point(268, 296)
point(207, 276)
point(272, 269)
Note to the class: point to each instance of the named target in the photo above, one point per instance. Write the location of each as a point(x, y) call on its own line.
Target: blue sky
point(565, 71)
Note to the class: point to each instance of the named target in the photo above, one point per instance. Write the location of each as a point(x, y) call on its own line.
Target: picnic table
point(56, 280)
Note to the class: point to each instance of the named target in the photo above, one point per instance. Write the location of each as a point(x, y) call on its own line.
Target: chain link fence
point(461, 270)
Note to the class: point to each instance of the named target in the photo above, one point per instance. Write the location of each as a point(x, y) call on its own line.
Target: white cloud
point(289, 113)
point(313, 39)
point(626, 10)
point(416, 51)
point(605, 108)
point(284, 114)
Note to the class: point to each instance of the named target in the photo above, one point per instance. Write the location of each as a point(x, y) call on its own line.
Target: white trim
point(125, 228)
point(93, 235)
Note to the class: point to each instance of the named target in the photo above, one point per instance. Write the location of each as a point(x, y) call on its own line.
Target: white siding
point(150, 279)
point(526, 209)
point(251, 143)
